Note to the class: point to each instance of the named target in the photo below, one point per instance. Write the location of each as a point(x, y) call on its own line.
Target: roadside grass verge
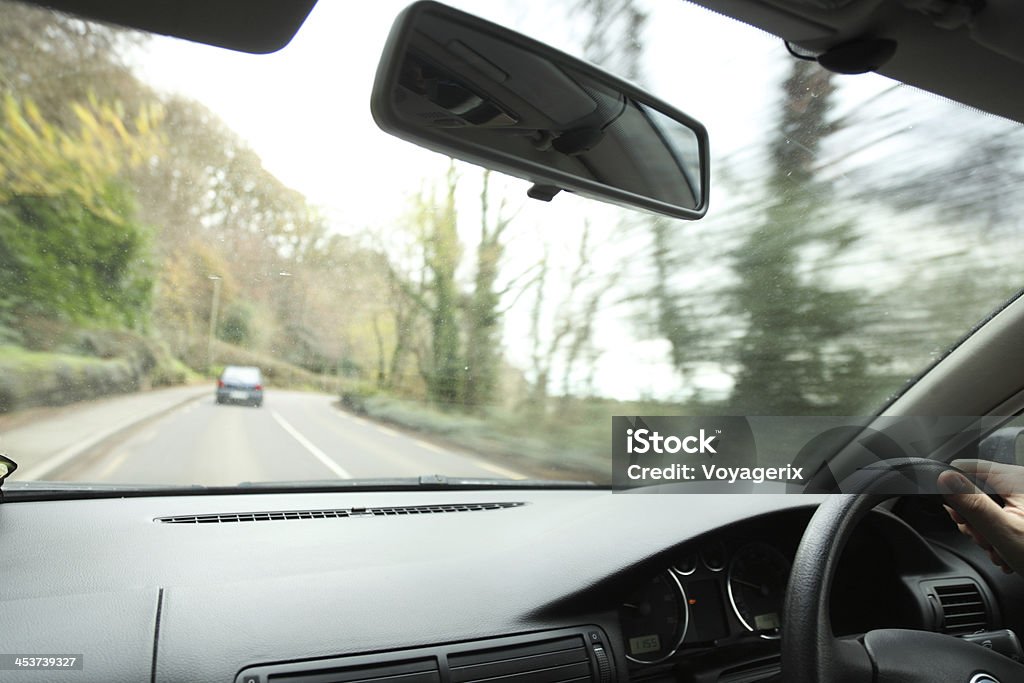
point(90, 364)
point(521, 446)
point(569, 439)
point(55, 363)
point(33, 378)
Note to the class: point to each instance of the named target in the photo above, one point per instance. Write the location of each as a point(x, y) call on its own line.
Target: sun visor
point(257, 26)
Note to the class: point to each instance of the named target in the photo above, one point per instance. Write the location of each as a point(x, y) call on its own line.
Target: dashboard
point(261, 588)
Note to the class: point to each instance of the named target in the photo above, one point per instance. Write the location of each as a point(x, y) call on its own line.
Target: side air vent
point(961, 606)
point(339, 513)
point(553, 661)
point(570, 655)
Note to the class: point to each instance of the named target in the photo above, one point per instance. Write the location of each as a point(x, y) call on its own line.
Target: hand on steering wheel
point(997, 530)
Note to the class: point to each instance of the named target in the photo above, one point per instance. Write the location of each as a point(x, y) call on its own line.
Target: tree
point(613, 38)
point(40, 158)
point(208, 186)
point(405, 314)
point(235, 325)
point(429, 284)
point(86, 145)
point(793, 358)
point(70, 244)
point(60, 260)
point(674, 319)
point(442, 251)
point(562, 331)
point(57, 60)
point(483, 317)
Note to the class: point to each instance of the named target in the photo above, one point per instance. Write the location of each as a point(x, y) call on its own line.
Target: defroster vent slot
point(337, 513)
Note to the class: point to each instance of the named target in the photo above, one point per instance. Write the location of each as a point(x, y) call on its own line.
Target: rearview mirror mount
point(476, 91)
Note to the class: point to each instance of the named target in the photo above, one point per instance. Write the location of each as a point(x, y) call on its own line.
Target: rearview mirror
point(473, 90)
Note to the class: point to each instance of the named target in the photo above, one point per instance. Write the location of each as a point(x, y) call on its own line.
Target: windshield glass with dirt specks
point(169, 209)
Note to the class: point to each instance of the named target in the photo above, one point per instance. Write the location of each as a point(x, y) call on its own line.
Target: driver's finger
point(998, 477)
point(981, 513)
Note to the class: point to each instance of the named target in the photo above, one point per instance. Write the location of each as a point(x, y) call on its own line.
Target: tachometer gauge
point(758, 574)
point(654, 620)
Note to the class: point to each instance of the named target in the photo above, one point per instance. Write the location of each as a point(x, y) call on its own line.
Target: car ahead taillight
point(220, 384)
point(259, 387)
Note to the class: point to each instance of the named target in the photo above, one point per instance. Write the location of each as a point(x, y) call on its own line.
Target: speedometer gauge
point(758, 574)
point(654, 620)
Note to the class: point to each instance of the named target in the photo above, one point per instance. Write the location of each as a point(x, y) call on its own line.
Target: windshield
point(168, 210)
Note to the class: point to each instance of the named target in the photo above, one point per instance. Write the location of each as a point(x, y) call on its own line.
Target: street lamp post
point(300, 327)
point(213, 320)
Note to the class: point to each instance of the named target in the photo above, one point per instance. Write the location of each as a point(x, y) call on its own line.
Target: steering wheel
point(812, 654)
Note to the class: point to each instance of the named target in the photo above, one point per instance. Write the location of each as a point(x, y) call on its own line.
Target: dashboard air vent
point(339, 513)
point(553, 661)
point(962, 606)
point(568, 655)
point(415, 671)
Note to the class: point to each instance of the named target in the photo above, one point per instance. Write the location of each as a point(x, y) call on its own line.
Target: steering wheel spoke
point(907, 656)
point(849, 661)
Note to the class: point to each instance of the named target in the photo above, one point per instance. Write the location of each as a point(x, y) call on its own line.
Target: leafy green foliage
point(236, 324)
point(41, 159)
point(482, 311)
point(795, 357)
point(780, 325)
point(436, 222)
point(69, 244)
point(58, 258)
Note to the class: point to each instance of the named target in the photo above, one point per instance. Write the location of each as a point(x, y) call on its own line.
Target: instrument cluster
point(717, 590)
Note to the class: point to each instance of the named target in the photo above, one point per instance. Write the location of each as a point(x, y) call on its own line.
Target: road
point(294, 436)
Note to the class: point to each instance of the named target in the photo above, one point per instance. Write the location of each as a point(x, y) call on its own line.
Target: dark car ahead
point(240, 384)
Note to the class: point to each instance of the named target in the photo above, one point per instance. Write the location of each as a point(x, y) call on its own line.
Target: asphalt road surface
point(294, 436)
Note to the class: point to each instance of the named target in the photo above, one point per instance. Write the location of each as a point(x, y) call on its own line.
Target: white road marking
point(341, 472)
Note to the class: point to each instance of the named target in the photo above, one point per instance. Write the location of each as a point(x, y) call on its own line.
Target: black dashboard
point(425, 585)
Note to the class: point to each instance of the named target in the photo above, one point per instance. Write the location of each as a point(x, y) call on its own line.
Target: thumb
point(982, 513)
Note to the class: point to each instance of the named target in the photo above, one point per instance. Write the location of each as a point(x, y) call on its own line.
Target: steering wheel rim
point(810, 651)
